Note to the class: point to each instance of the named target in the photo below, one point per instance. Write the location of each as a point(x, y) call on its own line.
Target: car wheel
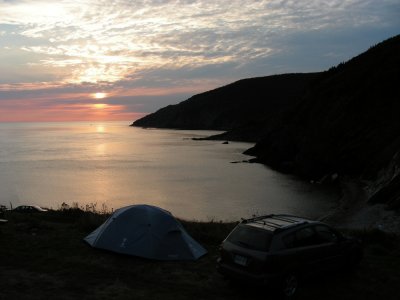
point(290, 285)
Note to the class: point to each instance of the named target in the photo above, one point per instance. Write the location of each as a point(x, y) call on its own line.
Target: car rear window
point(251, 237)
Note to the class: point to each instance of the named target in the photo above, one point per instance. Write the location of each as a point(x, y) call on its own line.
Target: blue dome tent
point(145, 231)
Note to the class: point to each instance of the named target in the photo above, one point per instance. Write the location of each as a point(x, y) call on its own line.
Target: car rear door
point(332, 247)
point(304, 253)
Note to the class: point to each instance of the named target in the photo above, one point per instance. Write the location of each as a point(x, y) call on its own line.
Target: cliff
point(346, 123)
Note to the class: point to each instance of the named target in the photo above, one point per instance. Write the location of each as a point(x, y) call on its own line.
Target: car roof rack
point(285, 218)
point(282, 217)
point(269, 223)
point(256, 218)
point(291, 220)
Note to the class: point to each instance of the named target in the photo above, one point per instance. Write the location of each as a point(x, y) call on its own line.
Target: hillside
point(343, 121)
point(245, 104)
point(346, 124)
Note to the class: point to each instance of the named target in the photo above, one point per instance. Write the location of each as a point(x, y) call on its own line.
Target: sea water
point(110, 165)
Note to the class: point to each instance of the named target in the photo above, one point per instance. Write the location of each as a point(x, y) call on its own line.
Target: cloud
point(149, 47)
point(108, 40)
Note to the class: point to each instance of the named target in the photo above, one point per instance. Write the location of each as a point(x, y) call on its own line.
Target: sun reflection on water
point(101, 149)
point(100, 128)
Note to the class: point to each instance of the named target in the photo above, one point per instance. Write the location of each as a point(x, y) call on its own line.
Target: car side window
point(288, 240)
point(305, 237)
point(301, 238)
point(325, 234)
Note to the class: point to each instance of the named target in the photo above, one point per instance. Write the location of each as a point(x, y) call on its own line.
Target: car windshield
point(251, 237)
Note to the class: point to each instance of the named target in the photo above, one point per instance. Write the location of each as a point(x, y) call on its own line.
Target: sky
point(119, 60)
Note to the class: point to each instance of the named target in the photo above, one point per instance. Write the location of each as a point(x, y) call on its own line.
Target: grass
point(43, 256)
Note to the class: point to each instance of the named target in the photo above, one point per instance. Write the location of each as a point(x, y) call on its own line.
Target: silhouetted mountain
point(342, 121)
point(347, 122)
point(243, 105)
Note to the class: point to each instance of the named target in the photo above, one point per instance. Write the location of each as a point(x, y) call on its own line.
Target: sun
point(99, 95)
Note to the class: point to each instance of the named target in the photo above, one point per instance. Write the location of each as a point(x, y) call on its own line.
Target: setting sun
point(99, 95)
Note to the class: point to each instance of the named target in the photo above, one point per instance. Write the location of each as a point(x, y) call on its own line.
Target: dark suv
point(279, 249)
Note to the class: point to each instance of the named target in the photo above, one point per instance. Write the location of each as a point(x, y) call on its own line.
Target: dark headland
point(340, 123)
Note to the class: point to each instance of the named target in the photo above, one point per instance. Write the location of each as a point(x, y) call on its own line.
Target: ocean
point(110, 165)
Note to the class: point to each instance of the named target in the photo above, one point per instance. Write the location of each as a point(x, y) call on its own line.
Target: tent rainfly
point(145, 231)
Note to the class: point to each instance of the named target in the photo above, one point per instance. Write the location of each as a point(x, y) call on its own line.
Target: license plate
point(240, 260)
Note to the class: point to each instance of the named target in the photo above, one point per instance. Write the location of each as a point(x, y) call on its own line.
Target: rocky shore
point(354, 211)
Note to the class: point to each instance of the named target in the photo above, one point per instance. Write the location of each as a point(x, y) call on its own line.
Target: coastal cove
point(111, 165)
